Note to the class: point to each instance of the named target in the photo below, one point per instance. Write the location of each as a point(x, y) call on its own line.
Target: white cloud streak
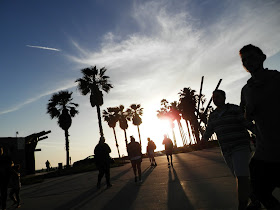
point(36, 98)
point(43, 48)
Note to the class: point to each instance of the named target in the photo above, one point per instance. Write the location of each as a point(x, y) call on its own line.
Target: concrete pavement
point(199, 180)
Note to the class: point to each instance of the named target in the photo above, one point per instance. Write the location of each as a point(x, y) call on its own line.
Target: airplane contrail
point(44, 48)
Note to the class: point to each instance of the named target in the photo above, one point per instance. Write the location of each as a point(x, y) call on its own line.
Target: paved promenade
point(199, 180)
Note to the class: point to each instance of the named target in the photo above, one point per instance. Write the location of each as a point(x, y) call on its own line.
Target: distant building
point(21, 150)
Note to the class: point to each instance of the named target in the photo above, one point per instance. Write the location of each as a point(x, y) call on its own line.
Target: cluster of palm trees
point(60, 106)
point(117, 114)
point(187, 108)
point(95, 82)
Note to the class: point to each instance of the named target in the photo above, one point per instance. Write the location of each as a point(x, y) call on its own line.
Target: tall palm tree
point(135, 111)
point(111, 116)
point(123, 118)
point(174, 111)
point(61, 107)
point(94, 81)
point(164, 114)
point(188, 103)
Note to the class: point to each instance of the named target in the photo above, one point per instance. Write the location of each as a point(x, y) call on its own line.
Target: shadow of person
point(121, 201)
point(177, 198)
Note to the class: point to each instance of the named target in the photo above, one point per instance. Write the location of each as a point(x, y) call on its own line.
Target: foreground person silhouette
point(15, 185)
point(135, 156)
point(228, 122)
point(102, 161)
point(259, 100)
point(5, 173)
point(150, 151)
point(168, 149)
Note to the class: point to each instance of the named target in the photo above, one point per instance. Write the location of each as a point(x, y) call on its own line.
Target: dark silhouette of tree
point(61, 107)
point(123, 118)
point(174, 111)
point(187, 106)
point(164, 114)
point(134, 113)
point(111, 116)
point(94, 81)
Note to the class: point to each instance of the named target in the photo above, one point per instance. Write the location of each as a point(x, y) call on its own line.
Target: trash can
point(59, 166)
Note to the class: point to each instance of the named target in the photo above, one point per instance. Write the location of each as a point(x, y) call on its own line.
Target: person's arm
point(209, 130)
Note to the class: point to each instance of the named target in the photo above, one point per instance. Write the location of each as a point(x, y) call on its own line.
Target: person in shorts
point(230, 126)
point(168, 149)
point(150, 151)
point(135, 156)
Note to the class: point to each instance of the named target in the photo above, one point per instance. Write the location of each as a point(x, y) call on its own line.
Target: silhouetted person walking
point(230, 126)
point(15, 185)
point(259, 100)
point(48, 165)
point(5, 172)
point(168, 149)
point(150, 151)
point(135, 156)
point(102, 160)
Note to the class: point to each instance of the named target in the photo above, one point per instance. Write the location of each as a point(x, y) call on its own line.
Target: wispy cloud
point(36, 98)
point(44, 48)
point(171, 50)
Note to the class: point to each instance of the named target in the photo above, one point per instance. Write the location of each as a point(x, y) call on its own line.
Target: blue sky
point(152, 50)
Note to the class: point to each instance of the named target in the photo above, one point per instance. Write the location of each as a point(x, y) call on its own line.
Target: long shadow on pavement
point(177, 198)
point(128, 194)
point(207, 191)
point(90, 194)
point(210, 156)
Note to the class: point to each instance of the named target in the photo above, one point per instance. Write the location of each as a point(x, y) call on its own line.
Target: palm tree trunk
point(189, 131)
point(99, 121)
point(116, 142)
point(125, 137)
point(174, 137)
point(139, 135)
point(182, 133)
point(67, 148)
point(196, 129)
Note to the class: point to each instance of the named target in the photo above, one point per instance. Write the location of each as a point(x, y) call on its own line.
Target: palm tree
point(164, 114)
point(123, 118)
point(111, 116)
point(187, 106)
point(61, 107)
point(94, 81)
point(134, 112)
point(174, 111)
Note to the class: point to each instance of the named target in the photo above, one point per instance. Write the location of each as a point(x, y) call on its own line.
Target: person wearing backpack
point(150, 151)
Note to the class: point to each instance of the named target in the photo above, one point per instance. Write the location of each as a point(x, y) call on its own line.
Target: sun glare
point(155, 129)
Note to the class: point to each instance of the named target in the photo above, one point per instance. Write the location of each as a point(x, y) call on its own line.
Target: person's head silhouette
point(132, 139)
point(252, 58)
point(219, 97)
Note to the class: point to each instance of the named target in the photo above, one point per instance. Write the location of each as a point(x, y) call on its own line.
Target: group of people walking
point(256, 176)
point(102, 157)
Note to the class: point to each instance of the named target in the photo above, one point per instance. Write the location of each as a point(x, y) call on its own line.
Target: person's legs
point(11, 195)
point(240, 162)
point(133, 163)
point(264, 178)
point(17, 196)
point(167, 158)
point(107, 175)
point(138, 164)
point(171, 159)
point(4, 189)
point(100, 175)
